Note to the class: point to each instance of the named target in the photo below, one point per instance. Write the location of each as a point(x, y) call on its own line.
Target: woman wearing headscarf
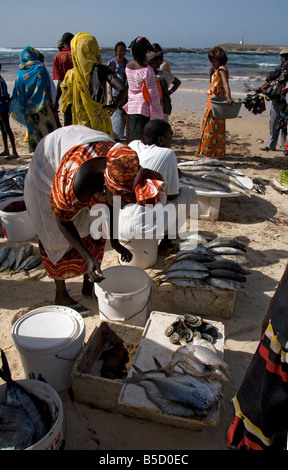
point(84, 86)
point(64, 181)
point(31, 97)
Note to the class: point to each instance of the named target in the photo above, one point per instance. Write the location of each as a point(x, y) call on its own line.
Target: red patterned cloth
point(126, 178)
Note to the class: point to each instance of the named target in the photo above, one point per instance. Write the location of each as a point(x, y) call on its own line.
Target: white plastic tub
point(16, 226)
point(49, 339)
point(123, 295)
point(145, 252)
point(55, 438)
point(221, 109)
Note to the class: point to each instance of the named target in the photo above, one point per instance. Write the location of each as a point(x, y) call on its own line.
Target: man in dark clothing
point(61, 63)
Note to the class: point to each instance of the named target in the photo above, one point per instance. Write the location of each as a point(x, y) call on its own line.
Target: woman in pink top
point(139, 72)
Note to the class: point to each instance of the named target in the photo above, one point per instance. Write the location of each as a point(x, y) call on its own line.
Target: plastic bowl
point(221, 109)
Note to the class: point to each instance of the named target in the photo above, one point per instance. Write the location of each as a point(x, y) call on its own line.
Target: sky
point(177, 23)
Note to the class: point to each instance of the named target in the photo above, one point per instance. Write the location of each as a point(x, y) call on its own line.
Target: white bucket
point(16, 226)
point(49, 339)
point(123, 295)
point(55, 438)
point(145, 252)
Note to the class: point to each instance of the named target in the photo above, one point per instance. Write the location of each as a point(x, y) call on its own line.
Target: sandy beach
point(260, 221)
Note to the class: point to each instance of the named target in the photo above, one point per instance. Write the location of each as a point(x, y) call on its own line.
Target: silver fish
point(186, 264)
point(177, 395)
point(4, 251)
point(228, 250)
point(16, 429)
point(4, 265)
point(227, 274)
point(227, 264)
point(11, 258)
point(33, 263)
point(34, 408)
point(23, 253)
point(226, 241)
point(181, 282)
point(183, 274)
point(198, 360)
point(223, 283)
point(202, 183)
point(29, 262)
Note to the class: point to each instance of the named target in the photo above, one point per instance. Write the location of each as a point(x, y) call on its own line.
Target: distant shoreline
point(234, 48)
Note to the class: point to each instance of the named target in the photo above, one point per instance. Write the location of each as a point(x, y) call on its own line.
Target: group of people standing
point(80, 164)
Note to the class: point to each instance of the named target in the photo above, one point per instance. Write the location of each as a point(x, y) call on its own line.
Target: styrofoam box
point(87, 384)
point(208, 207)
point(133, 400)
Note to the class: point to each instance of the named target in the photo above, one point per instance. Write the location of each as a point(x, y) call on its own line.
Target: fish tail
point(5, 373)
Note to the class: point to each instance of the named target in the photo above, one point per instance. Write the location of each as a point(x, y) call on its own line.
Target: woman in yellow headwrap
point(85, 86)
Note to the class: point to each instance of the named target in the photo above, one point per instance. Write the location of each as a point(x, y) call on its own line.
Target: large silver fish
point(224, 283)
point(227, 274)
point(178, 395)
point(22, 254)
point(4, 251)
point(226, 241)
point(199, 361)
point(34, 409)
point(227, 264)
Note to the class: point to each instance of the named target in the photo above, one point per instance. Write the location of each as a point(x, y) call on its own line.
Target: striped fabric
point(136, 103)
point(261, 404)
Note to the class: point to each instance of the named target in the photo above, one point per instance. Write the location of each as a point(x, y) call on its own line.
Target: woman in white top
point(154, 152)
point(138, 73)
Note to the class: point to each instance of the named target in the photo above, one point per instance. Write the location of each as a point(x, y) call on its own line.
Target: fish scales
point(227, 274)
point(226, 241)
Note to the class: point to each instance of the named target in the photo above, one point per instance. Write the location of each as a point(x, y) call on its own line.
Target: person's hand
point(111, 108)
point(126, 255)
point(230, 101)
point(94, 272)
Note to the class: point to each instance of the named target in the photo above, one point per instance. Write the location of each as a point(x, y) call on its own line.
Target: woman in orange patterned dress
point(213, 138)
point(66, 178)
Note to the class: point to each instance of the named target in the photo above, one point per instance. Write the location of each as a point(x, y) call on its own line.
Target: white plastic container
point(123, 295)
point(54, 439)
point(16, 226)
point(49, 339)
point(221, 109)
point(145, 253)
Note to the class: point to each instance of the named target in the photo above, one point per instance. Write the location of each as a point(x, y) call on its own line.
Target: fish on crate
point(177, 394)
point(24, 417)
point(199, 361)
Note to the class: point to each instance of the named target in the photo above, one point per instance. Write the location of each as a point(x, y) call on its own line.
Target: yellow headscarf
point(85, 111)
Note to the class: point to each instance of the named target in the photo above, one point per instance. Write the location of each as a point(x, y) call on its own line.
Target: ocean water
point(190, 67)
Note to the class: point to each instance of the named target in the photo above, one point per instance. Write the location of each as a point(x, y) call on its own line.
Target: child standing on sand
point(4, 121)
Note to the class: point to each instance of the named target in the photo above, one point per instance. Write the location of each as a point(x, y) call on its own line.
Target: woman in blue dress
point(118, 65)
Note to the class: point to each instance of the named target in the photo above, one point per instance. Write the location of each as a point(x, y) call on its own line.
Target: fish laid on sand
point(24, 418)
point(22, 260)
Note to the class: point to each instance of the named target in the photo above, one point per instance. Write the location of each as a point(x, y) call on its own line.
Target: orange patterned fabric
point(63, 201)
point(126, 178)
point(65, 206)
point(72, 264)
point(213, 139)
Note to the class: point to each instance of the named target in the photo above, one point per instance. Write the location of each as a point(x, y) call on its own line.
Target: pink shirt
point(136, 103)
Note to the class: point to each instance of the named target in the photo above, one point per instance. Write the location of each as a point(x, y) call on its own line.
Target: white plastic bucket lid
point(47, 328)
